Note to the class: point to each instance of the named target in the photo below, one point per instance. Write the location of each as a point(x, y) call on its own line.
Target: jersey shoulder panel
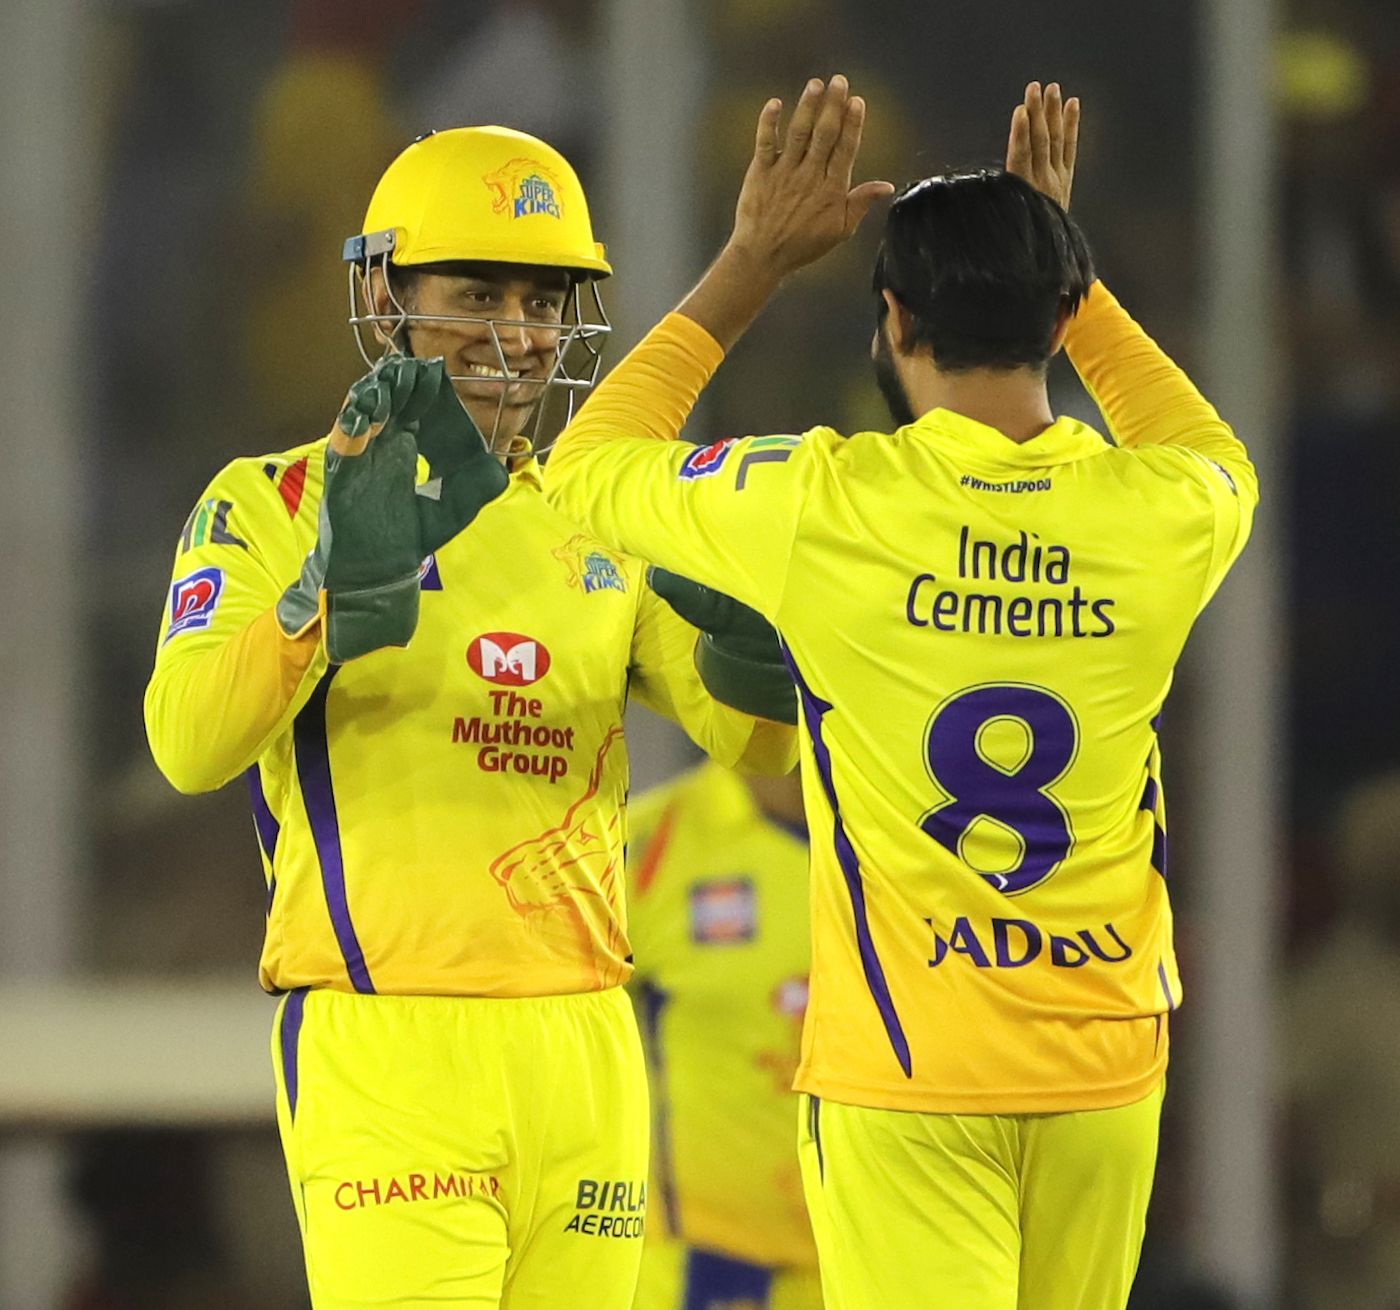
point(256, 497)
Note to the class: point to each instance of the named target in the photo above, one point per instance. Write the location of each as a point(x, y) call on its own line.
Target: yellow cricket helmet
point(487, 194)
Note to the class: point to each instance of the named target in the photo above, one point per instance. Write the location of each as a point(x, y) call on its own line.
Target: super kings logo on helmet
point(523, 187)
point(508, 659)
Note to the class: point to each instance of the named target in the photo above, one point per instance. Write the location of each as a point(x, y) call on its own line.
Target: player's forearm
point(211, 714)
point(1146, 398)
point(649, 394)
point(730, 296)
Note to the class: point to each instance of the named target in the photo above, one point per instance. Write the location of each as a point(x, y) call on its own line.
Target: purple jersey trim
point(292, 1015)
point(313, 759)
point(813, 709)
point(1166, 986)
point(268, 828)
point(1159, 833)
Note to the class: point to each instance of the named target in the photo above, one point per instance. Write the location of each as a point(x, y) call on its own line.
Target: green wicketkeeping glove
point(376, 526)
point(738, 655)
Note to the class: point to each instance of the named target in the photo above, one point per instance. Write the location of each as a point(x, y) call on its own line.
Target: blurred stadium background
point(176, 177)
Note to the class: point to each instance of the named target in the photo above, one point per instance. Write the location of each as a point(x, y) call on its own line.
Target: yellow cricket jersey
point(983, 634)
point(717, 896)
point(448, 817)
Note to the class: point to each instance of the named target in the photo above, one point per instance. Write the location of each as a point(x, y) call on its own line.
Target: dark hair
point(983, 262)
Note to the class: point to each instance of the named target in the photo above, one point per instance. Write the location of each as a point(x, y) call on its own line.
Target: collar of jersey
point(1063, 442)
point(527, 469)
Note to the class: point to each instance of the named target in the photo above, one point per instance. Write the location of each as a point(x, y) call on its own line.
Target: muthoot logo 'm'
point(508, 659)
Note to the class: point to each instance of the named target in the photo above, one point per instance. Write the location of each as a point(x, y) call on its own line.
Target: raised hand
point(797, 201)
point(1044, 141)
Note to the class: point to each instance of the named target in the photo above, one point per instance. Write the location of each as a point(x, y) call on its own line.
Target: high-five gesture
point(797, 201)
point(796, 204)
point(1044, 141)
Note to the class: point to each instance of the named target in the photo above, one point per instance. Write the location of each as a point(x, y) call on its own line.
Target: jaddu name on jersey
point(1058, 606)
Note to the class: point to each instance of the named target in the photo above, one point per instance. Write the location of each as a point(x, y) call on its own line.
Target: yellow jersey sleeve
point(1153, 408)
point(724, 514)
point(664, 679)
point(226, 679)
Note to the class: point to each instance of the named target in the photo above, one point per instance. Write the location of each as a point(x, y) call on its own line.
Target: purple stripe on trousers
point(1166, 986)
point(263, 820)
point(314, 773)
point(813, 708)
point(292, 1015)
point(1159, 849)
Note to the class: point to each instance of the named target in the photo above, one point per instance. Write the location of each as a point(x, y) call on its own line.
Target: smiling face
point(519, 306)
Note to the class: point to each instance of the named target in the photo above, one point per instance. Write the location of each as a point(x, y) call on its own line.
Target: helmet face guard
point(578, 345)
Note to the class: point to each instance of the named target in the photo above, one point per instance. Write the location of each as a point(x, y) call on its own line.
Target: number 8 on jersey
point(995, 751)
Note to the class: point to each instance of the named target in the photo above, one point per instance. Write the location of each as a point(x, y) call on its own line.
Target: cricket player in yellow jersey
point(982, 609)
point(717, 907)
point(421, 667)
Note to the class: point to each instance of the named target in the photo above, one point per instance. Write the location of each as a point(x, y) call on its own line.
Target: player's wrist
point(733, 291)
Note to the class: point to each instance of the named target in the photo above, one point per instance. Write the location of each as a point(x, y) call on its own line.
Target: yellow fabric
point(717, 897)
point(437, 830)
point(466, 1175)
point(981, 1212)
point(984, 634)
point(663, 1284)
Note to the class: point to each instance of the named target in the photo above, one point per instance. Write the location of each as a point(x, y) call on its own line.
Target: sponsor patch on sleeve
point(193, 600)
point(706, 461)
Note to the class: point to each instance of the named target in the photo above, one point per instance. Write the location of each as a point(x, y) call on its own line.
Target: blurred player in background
point(983, 610)
point(717, 914)
point(421, 668)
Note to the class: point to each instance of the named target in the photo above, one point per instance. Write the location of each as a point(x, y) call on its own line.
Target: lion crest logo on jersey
point(509, 659)
point(524, 188)
point(591, 568)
